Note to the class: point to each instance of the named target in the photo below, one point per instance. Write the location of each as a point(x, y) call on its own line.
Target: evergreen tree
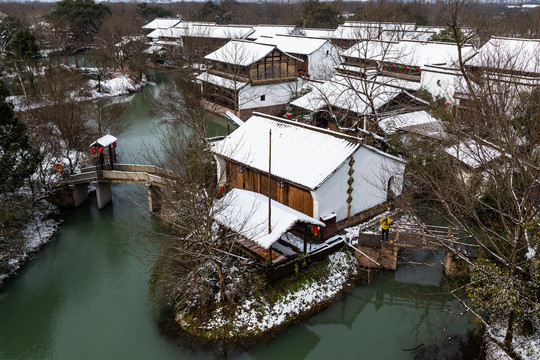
point(447, 35)
point(150, 12)
point(23, 46)
point(85, 16)
point(317, 14)
point(18, 159)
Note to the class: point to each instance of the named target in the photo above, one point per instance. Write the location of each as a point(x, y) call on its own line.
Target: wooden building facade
point(247, 178)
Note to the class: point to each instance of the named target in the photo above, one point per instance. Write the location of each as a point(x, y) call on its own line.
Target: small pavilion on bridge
point(105, 150)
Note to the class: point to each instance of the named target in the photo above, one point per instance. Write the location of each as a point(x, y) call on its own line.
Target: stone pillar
point(154, 198)
point(103, 194)
point(448, 263)
point(386, 256)
point(80, 193)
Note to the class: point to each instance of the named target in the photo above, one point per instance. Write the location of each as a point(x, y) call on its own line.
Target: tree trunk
point(509, 331)
point(221, 281)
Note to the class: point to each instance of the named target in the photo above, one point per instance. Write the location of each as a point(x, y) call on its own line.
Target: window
point(327, 52)
point(263, 97)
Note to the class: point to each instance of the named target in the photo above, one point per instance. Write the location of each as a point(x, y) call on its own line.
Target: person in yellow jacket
point(385, 226)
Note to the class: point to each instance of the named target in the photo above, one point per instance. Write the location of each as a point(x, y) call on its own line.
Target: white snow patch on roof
point(221, 81)
point(241, 53)
point(161, 23)
point(347, 93)
point(294, 44)
point(303, 155)
point(105, 140)
point(509, 54)
point(473, 154)
point(175, 33)
point(402, 121)
point(246, 213)
point(271, 30)
point(407, 52)
point(317, 33)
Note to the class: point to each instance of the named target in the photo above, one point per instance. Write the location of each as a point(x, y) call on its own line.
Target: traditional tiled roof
point(246, 213)
point(302, 154)
point(243, 53)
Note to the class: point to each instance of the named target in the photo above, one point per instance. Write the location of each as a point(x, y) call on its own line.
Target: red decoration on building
point(315, 230)
point(101, 150)
point(94, 151)
point(114, 144)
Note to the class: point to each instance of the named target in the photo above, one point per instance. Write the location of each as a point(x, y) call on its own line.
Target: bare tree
point(488, 187)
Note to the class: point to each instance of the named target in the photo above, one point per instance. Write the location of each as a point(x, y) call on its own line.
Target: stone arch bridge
point(75, 187)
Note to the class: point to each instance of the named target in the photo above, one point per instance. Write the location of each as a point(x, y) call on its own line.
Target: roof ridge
point(514, 38)
point(310, 127)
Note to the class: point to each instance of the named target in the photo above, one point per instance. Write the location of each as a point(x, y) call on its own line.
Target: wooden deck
point(277, 257)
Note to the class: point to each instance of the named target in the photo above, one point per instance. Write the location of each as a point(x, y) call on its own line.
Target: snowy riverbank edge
point(257, 318)
point(38, 232)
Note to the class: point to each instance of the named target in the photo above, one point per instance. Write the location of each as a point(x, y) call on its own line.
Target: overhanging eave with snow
point(246, 213)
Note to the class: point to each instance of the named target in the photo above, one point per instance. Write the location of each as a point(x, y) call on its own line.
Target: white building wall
point(332, 194)
point(440, 84)
point(251, 96)
point(372, 172)
point(322, 62)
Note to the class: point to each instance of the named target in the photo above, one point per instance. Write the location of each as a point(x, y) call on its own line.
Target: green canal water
point(85, 295)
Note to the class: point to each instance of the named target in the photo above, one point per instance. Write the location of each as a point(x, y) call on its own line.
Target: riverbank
point(115, 84)
point(273, 309)
point(26, 227)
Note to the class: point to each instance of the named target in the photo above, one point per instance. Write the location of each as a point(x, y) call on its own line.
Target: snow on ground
point(257, 315)
point(528, 347)
point(121, 84)
point(38, 232)
point(118, 84)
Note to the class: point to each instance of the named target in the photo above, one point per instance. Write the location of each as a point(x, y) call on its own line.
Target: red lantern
point(315, 230)
point(288, 115)
point(114, 144)
point(101, 150)
point(94, 151)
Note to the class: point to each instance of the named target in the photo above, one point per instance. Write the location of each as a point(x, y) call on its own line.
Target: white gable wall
point(372, 172)
point(440, 82)
point(249, 97)
point(323, 61)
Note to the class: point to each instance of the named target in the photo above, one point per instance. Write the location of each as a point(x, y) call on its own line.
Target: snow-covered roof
point(407, 52)
point(175, 33)
point(270, 30)
point(246, 213)
point(153, 48)
point(356, 33)
point(221, 81)
point(370, 49)
point(302, 154)
point(347, 93)
point(218, 31)
point(417, 35)
point(162, 23)
point(104, 140)
point(472, 153)
point(293, 44)
point(510, 54)
point(406, 121)
point(399, 83)
point(317, 33)
point(243, 53)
